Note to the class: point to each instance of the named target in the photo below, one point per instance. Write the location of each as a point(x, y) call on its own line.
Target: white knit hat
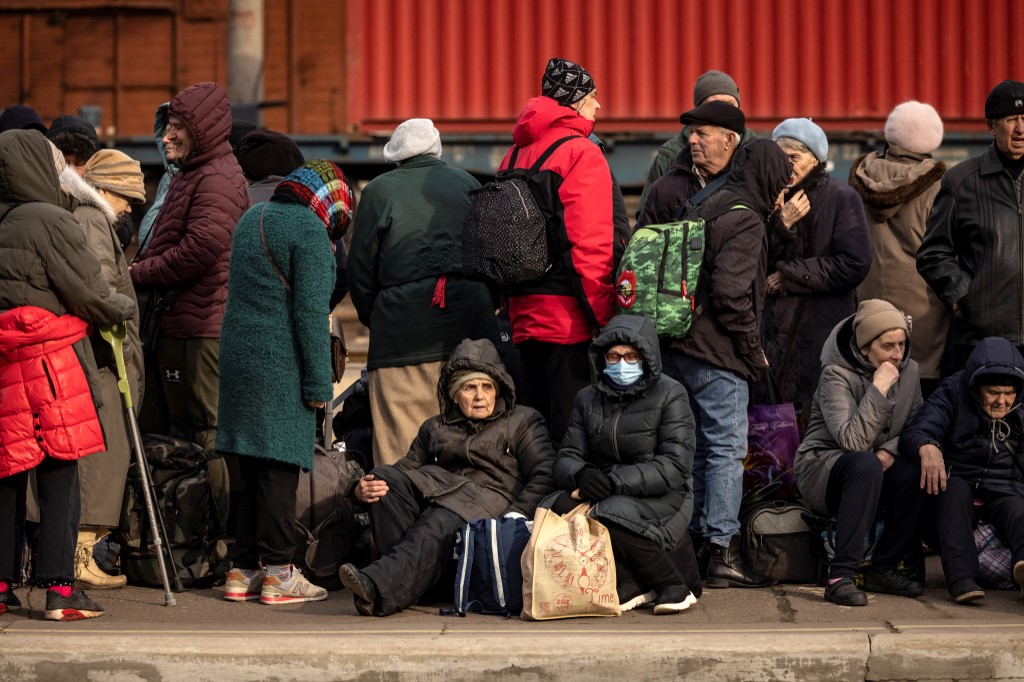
point(914, 126)
point(412, 138)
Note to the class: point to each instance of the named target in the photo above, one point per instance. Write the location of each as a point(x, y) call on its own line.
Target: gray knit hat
point(914, 126)
point(714, 83)
point(875, 317)
point(414, 137)
point(807, 131)
point(463, 377)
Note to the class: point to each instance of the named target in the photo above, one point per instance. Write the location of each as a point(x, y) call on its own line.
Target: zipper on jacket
point(615, 427)
point(49, 379)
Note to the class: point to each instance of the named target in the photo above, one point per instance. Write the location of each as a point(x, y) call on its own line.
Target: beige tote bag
point(568, 568)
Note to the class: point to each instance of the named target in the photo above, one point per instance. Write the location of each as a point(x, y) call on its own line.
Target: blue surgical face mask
point(624, 374)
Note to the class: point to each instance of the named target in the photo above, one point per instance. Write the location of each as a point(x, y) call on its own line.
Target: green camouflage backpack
point(659, 273)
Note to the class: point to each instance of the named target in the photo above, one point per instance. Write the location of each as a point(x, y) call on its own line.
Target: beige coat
point(103, 474)
point(898, 188)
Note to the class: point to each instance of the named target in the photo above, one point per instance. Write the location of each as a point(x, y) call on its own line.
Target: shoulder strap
point(270, 257)
point(464, 571)
point(496, 555)
point(535, 168)
point(697, 199)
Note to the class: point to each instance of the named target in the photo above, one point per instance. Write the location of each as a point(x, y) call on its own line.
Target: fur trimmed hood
point(888, 180)
point(85, 194)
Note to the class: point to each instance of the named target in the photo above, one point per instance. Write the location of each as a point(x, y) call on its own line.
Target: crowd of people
point(888, 309)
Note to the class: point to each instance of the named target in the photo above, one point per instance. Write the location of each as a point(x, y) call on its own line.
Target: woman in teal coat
point(275, 370)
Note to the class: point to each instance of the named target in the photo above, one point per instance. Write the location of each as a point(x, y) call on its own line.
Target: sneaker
point(9, 601)
point(891, 582)
point(77, 606)
point(631, 603)
point(845, 593)
point(673, 599)
point(243, 585)
point(965, 590)
point(291, 590)
point(362, 588)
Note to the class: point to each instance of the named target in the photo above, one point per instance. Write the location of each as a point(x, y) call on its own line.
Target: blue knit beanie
point(806, 131)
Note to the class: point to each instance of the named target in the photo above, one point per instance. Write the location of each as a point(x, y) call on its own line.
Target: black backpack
point(508, 236)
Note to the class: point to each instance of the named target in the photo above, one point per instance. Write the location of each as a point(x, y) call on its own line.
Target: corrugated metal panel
point(470, 65)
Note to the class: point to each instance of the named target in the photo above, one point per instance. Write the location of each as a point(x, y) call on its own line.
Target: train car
point(340, 75)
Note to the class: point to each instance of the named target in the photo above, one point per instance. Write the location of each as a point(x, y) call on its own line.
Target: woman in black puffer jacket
point(629, 451)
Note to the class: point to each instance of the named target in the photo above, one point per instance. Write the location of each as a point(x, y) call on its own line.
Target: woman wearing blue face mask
point(628, 451)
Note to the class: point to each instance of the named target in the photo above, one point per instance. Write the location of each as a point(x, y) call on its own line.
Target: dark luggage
point(778, 543)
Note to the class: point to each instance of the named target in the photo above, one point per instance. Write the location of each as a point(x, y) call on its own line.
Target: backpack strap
point(464, 571)
point(697, 199)
point(535, 168)
point(496, 556)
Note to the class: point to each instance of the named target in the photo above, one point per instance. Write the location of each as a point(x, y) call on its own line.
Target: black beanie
point(263, 153)
point(566, 82)
point(73, 124)
point(21, 117)
point(1006, 99)
point(240, 129)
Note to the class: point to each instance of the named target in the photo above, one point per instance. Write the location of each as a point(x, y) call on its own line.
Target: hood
point(887, 181)
point(541, 113)
point(994, 356)
point(84, 194)
point(841, 349)
point(479, 355)
point(27, 331)
point(759, 171)
point(637, 331)
point(205, 110)
point(27, 171)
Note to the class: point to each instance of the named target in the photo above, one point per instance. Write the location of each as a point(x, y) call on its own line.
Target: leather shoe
point(965, 590)
point(845, 593)
point(726, 567)
point(362, 588)
point(891, 582)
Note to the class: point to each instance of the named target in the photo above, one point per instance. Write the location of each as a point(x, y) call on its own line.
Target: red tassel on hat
point(438, 299)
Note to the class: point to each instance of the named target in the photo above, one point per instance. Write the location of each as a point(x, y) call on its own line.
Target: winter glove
point(594, 485)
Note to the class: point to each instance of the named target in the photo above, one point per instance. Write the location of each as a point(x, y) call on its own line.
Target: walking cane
point(114, 335)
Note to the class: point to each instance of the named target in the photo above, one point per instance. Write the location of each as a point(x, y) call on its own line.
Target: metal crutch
point(114, 335)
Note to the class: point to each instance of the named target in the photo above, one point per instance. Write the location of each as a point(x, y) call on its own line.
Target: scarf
point(322, 187)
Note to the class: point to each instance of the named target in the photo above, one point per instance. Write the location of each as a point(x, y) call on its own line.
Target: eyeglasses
point(632, 357)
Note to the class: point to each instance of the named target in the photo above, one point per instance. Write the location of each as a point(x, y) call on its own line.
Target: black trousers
point(857, 490)
point(59, 512)
point(552, 375)
point(640, 563)
point(266, 515)
point(415, 539)
point(954, 525)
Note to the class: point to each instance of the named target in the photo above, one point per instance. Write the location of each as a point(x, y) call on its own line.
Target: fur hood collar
point(85, 194)
point(888, 180)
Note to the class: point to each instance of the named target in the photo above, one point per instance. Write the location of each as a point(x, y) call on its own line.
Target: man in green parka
point(405, 270)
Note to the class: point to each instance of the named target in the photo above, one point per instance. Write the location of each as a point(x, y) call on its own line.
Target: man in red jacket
point(555, 318)
point(189, 253)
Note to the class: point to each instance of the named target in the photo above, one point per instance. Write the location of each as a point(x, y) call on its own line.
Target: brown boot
point(87, 572)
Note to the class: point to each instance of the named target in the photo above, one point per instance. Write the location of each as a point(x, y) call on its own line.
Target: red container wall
point(471, 64)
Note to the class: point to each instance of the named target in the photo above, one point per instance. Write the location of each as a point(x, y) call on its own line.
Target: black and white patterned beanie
point(566, 82)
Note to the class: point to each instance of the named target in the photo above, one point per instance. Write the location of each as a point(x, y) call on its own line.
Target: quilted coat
point(191, 241)
point(642, 437)
point(47, 407)
point(481, 468)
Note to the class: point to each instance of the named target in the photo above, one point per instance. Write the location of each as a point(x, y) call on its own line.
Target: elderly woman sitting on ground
point(969, 436)
point(847, 465)
point(483, 456)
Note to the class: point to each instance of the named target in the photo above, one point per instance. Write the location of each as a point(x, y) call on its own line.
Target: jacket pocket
point(49, 379)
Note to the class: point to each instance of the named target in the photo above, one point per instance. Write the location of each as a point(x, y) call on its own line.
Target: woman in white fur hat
point(898, 186)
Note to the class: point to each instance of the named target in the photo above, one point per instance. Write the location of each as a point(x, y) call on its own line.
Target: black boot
point(727, 568)
point(702, 550)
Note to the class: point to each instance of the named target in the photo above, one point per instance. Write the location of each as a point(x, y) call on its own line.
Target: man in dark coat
point(972, 429)
point(971, 254)
point(715, 132)
point(189, 252)
point(722, 351)
point(482, 457)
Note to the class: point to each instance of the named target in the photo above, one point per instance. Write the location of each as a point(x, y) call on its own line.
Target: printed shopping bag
point(568, 568)
point(772, 440)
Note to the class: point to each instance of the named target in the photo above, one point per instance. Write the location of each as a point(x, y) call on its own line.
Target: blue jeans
point(718, 398)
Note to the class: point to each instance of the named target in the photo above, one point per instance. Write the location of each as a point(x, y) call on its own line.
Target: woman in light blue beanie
point(819, 250)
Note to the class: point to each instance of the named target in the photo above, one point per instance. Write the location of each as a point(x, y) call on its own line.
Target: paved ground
point(786, 632)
